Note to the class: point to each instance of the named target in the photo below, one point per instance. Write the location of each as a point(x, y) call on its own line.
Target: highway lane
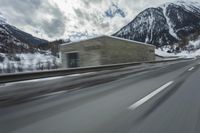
point(165, 99)
point(18, 92)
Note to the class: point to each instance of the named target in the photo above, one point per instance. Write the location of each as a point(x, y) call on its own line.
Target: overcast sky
point(54, 19)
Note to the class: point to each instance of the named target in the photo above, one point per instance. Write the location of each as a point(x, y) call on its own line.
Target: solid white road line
point(51, 94)
point(82, 74)
point(46, 79)
point(146, 98)
point(191, 69)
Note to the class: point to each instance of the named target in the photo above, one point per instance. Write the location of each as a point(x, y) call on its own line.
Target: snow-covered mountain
point(168, 24)
point(114, 10)
point(15, 40)
point(20, 51)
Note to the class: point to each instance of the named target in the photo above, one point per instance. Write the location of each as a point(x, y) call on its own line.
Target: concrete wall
point(89, 52)
point(117, 50)
point(107, 50)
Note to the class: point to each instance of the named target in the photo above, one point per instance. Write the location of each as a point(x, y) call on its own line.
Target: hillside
point(174, 24)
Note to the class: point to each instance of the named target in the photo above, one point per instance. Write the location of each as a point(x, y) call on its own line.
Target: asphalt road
point(161, 98)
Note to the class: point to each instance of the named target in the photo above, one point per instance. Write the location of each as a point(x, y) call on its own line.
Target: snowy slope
point(13, 40)
point(19, 34)
point(182, 54)
point(195, 44)
point(10, 44)
point(20, 51)
point(167, 24)
point(28, 62)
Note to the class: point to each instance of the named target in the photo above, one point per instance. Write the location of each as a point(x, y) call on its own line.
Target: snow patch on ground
point(192, 50)
point(195, 43)
point(162, 53)
point(29, 62)
point(182, 54)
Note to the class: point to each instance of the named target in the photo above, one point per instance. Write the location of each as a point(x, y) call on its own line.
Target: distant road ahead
point(161, 98)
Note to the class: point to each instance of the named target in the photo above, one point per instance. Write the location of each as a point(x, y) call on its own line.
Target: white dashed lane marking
point(148, 97)
point(191, 69)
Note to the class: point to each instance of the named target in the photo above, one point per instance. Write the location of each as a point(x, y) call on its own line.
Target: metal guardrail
point(6, 78)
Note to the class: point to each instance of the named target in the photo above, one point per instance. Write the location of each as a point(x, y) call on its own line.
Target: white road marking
point(146, 98)
point(46, 79)
point(191, 69)
point(51, 94)
point(82, 74)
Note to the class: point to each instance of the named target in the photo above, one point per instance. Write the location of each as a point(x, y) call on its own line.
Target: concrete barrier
point(6, 78)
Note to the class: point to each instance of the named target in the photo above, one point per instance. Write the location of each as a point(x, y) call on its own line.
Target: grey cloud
point(89, 2)
point(85, 16)
point(93, 18)
point(54, 27)
point(105, 25)
point(82, 15)
point(81, 22)
point(31, 12)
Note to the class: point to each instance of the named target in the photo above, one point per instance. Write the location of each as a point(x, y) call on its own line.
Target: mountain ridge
point(168, 24)
point(14, 40)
